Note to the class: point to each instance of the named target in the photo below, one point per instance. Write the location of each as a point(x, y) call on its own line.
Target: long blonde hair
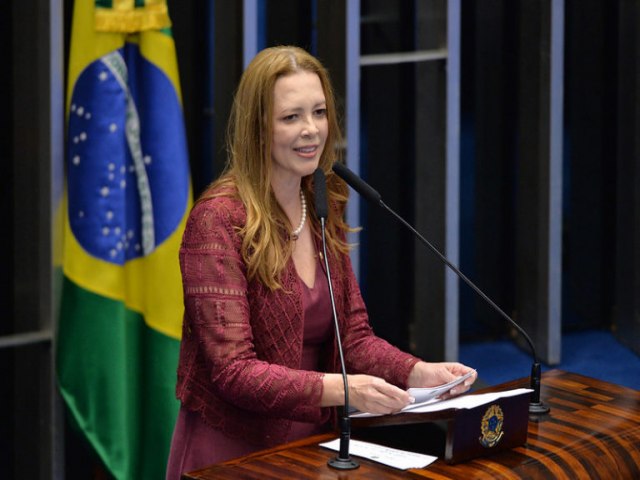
point(265, 246)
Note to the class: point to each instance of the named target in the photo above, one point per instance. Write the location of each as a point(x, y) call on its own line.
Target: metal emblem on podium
point(491, 427)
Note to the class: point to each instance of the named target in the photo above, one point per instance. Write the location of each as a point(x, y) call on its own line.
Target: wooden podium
point(592, 431)
point(456, 435)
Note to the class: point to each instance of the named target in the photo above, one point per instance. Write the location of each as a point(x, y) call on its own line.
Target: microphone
point(320, 192)
point(342, 461)
point(536, 406)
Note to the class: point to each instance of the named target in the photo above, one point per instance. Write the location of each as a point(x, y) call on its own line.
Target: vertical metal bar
point(556, 99)
point(56, 140)
point(353, 117)
point(314, 27)
point(452, 178)
point(249, 30)
point(209, 123)
point(539, 187)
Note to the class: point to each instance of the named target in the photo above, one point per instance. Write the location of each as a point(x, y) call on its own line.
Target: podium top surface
point(592, 431)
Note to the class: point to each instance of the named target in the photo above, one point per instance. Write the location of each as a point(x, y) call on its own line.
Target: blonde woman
point(258, 361)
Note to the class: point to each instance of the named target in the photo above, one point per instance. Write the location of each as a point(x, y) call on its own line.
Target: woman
point(258, 362)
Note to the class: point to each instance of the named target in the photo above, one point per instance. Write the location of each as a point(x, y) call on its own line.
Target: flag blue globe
point(128, 179)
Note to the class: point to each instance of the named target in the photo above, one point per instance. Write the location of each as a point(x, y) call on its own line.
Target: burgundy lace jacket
point(242, 343)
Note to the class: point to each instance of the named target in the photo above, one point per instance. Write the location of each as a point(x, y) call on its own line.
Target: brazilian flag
point(127, 198)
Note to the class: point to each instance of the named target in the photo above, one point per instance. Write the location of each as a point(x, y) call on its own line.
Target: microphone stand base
point(343, 463)
point(538, 408)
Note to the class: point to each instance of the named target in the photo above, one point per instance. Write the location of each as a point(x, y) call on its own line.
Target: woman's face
point(300, 126)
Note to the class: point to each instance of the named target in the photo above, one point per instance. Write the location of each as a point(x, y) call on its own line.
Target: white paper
point(423, 395)
point(463, 401)
point(392, 457)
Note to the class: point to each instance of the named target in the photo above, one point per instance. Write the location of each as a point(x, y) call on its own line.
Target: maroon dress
point(196, 445)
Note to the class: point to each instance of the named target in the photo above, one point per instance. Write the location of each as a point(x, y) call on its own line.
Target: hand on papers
point(436, 375)
point(427, 382)
point(464, 401)
point(374, 395)
point(423, 395)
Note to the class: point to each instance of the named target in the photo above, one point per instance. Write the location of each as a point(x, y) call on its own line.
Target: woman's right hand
point(366, 393)
point(374, 395)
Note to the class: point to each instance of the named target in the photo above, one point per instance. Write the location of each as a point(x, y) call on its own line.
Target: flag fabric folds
point(127, 199)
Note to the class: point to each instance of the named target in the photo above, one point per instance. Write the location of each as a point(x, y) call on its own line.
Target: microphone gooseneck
point(342, 461)
point(535, 404)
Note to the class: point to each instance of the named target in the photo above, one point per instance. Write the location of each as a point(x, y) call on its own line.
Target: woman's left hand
point(425, 374)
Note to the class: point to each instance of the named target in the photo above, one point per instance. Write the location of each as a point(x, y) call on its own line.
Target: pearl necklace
point(303, 218)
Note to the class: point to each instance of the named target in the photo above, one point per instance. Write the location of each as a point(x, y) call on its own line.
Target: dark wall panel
point(590, 172)
point(627, 247)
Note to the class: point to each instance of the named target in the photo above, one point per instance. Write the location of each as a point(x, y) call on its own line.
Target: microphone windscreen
point(320, 191)
point(359, 185)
